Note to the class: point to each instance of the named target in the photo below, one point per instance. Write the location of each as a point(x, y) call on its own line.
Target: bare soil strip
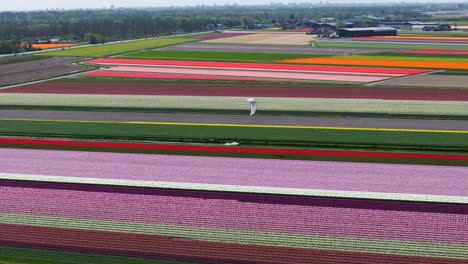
point(429, 80)
point(28, 71)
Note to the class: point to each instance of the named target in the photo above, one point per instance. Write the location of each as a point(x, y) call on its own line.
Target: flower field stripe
point(109, 49)
point(247, 126)
point(444, 38)
point(301, 223)
point(220, 103)
point(253, 66)
point(236, 237)
point(395, 45)
point(235, 172)
point(237, 90)
point(445, 44)
point(52, 45)
point(431, 52)
point(248, 135)
point(141, 75)
point(219, 35)
point(250, 74)
point(209, 250)
point(219, 149)
point(240, 189)
point(259, 70)
point(383, 63)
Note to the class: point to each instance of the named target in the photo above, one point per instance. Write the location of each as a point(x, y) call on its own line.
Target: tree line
point(103, 25)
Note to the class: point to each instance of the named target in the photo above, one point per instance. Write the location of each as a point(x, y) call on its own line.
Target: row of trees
point(96, 26)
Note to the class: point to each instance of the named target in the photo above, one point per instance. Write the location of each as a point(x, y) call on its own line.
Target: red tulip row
point(195, 149)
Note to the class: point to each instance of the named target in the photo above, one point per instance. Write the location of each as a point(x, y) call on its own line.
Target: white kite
point(253, 105)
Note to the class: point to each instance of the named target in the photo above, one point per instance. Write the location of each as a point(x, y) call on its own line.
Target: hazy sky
point(9, 5)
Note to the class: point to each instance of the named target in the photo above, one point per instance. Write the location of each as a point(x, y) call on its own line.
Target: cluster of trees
point(8, 46)
point(14, 46)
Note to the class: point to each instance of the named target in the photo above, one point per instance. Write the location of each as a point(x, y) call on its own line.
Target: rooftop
point(370, 28)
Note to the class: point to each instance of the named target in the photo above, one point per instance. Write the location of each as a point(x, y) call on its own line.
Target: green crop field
point(419, 56)
point(454, 72)
point(117, 48)
point(243, 134)
point(433, 33)
point(384, 45)
point(10, 255)
point(216, 56)
point(404, 57)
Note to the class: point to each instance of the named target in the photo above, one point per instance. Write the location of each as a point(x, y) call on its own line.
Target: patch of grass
point(33, 256)
point(442, 56)
point(403, 57)
point(245, 135)
point(453, 72)
point(433, 33)
point(383, 45)
point(117, 48)
point(216, 56)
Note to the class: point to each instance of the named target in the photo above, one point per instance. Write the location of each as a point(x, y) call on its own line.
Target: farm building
point(437, 27)
point(366, 32)
point(321, 28)
point(416, 26)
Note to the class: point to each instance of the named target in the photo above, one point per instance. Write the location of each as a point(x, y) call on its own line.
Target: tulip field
point(250, 70)
point(152, 154)
point(44, 46)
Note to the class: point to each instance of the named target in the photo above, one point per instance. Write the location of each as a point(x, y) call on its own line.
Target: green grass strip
point(383, 45)
point(214, 133)
point(460, 34)
point(117, 48)
point(421, 56)
point(404, 57)
point(216, 56)
point(33, 256)
point(454, 72)
point(246, 237)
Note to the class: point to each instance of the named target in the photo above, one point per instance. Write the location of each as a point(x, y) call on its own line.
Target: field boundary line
point(401, 77)
point(239, 188)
